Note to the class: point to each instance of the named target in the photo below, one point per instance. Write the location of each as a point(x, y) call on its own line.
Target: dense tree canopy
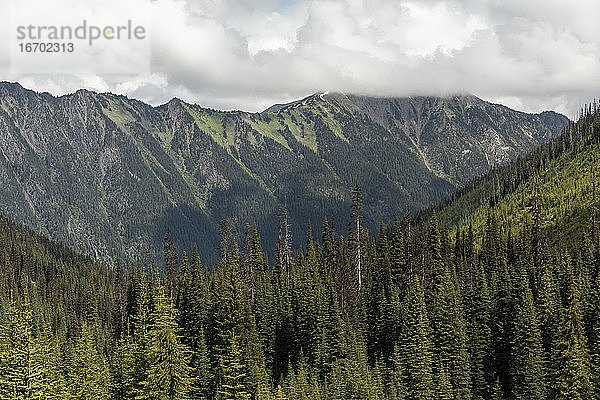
point(499, 305)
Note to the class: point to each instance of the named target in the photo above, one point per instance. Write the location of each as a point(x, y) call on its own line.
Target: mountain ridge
point(106, 173)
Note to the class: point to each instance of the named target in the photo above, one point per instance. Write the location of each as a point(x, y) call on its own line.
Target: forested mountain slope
point(108, 175)
point(557, 182)
point(499, 303)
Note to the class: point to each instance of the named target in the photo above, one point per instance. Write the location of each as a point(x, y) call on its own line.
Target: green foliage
point(88, 378)
point(487, 311)
point(527, 367)
point(571, 360)
point(168, 359)
point(28, 365)
point(414, 345)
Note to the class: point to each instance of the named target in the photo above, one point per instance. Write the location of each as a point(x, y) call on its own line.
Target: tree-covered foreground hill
point(108, 175)
point(496, 295)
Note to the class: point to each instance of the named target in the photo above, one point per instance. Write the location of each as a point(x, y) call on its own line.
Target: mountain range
point(109, 175)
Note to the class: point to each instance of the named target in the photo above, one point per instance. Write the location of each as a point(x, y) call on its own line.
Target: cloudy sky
point(248, 54)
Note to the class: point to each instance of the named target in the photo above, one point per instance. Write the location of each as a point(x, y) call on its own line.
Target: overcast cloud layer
point(531, 55)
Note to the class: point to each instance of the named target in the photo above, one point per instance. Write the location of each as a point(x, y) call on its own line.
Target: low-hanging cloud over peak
point(531, 55)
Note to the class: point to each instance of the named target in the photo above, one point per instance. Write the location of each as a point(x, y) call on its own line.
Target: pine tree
point(443, 389)
point(280, 395)
point(527, 358)
point(191, 310)
point(397, 389)
point(201, 372)
point(284, 255)
point(168, 359)
point(397, 257)
point(172, 260)
point(329, 245)
point(135, 349)
point(118, 366)
point(502, 324)
point(52, 381)
point(415, 346)
point(329, 327)
point(232, 318)
point(356, 237)
point(233, 385)
point(450, 336)
point(548, 309)
point(594, 339)
point(572, 359)
point(25, 366)
point(480, 335)
point(497, 393)
point(381, 325)
point(89, 376)
point(169, 370)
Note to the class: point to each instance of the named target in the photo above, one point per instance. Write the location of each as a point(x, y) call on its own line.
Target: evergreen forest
point(494, 294)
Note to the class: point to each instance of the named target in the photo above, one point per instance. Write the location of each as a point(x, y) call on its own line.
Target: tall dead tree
point(283, 244)
point(355, 236)
point(594, 232)
point(225, 238)
point(250, 261)
point(172, 260)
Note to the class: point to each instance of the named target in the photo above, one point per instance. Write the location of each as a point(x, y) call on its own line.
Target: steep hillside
point(557, 184)
point(109, 174)
point(503, 304)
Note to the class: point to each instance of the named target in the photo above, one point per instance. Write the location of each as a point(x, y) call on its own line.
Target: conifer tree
point(356, 237)
point(172, 260)
point(415, 345)
point(497, 393)
point(572, 360)
point(168, 369)
point(443, 386)
point(381, 324)
point(548, 309)
point(450, 337)
point(527, 368)
point(397, 389)
point(135, 348)
point(89, 376)
point(233, 385)
point(503, 324)
point(52, 381)
point(284, 253)
point(480, 335)
point(24, 369)
point(201, 371)
point(594, 338)
point(397, 257)
point(232, 318)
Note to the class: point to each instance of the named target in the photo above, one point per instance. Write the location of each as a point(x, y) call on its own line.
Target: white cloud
point(532, 55)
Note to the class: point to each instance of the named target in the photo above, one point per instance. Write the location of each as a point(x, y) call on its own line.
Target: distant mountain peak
point(303, 101)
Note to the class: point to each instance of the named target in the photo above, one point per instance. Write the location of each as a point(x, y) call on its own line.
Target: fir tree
point(89, 376)
point(168, 370)
point(356, 237)
point(572, 359)
point(415, 346)
point(527, 358)
point(450, 336)
point(480, 335)
point(25, 366)
point(233, 385)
